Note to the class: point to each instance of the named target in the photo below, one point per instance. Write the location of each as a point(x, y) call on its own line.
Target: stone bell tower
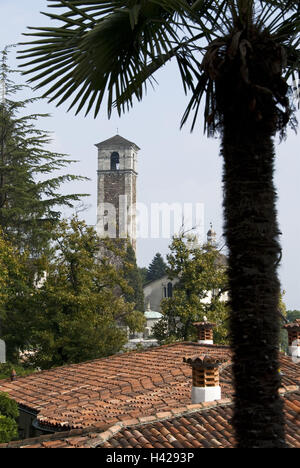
point(117, 174)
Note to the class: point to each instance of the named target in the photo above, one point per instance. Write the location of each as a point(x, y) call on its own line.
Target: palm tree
point(237, 55)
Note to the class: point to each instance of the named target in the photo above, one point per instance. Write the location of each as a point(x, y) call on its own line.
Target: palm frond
point(111, 49)
point(127, 34)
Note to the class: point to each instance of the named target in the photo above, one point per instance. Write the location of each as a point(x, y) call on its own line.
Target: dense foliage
point(21, 371)
point(134, 279)
point(292, 315)
point(8, 416)
point(30, 201)
point(77, 310)
point(143, 271)
point(199, 291)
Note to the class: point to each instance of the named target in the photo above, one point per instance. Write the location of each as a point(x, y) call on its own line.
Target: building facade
point(117, 177)
point(157, 290)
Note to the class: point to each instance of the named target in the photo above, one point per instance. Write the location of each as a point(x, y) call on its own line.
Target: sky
point(174, 166)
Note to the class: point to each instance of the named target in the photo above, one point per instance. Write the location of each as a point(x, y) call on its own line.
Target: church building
point(117, 177)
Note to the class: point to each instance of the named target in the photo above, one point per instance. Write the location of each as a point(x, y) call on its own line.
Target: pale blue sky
point(174, 165)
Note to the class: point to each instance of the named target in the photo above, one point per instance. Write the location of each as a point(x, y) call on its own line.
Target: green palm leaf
point(112, 49)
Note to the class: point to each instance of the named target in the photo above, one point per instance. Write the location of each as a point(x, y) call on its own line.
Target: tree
point(143, 271)
point(292, 315)
point(199, 292)
point(13, 279)
point(157, 268)
point(29, 200)
point(8, 416)
point(79, 312)
point(134, 279)
point(16, 285)
point(239, 55)
point(9, 268)
point(7, 369)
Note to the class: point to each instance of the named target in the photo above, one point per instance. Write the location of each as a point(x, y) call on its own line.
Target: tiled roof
point(207, 428)
point(206, 425)
point(103, 395)
point(112, 389)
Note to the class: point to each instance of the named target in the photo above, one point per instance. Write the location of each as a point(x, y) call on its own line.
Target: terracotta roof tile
point(207, 428)
point(119, 387)
point(102, 400)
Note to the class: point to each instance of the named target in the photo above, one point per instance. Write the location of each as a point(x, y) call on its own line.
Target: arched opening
point(114, 161)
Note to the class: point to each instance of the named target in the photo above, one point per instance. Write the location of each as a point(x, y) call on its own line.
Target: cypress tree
point(29, 199)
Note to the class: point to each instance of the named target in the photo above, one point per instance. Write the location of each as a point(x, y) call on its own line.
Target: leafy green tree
point(30, 202)
point(202, 281)
point(16, 285)
point(9, 268)
point(21, 371)
point(292, 315)
point(13, 283)
point(134, 279)
point(80, 311)
point(237, 55)
point(157, 268)
point(8, 416)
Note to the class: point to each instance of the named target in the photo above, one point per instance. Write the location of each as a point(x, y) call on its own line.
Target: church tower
point(117, 175)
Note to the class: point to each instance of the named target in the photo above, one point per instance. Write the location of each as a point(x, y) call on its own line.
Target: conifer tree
point(29, 198)
point(134, 279)
point(157, 268)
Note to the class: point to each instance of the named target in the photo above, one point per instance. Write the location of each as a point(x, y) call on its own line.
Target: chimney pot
point(205, 332)
point(206, 380)
point(13, 375)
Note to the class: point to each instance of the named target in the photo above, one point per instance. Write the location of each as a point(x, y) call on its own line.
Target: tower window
point(114, 161)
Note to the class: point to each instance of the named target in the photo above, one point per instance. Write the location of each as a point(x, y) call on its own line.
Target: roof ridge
point(117, 140)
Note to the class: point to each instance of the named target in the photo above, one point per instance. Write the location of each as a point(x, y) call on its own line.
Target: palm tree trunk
point(252, 237)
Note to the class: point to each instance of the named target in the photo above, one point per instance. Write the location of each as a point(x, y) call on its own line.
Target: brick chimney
point(206, 381)
point(205, 331)
point(293, 330)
